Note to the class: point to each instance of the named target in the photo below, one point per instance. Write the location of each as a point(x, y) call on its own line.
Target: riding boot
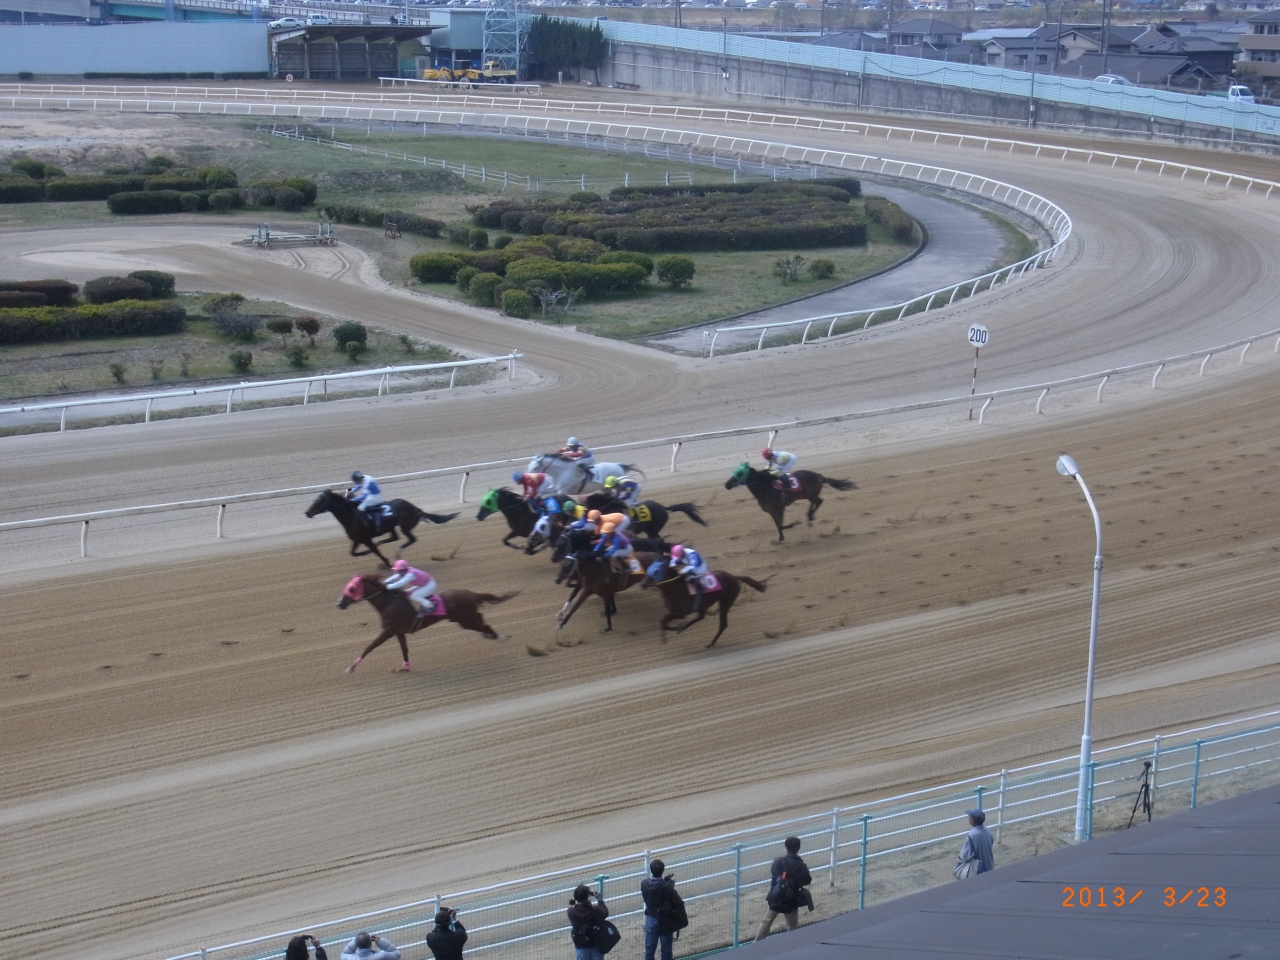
point(697, 595)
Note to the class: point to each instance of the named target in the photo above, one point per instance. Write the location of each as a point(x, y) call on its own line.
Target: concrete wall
point(782, 85)
point(74, 49)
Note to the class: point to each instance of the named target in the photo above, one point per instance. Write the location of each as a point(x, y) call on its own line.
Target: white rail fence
point(859, 855)
point(676, 443)
point(383, 375)
point(530, 89)
point(61, 96)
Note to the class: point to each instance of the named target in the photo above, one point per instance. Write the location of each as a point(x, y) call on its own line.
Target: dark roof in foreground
point(1017, 911)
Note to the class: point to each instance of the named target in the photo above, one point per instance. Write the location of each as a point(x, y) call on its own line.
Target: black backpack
point(672, 916)
point(782, 894)
point(607, 936)
point(584, 934)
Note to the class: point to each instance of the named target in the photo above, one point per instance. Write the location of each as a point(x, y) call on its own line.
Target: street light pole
point(1067, 467)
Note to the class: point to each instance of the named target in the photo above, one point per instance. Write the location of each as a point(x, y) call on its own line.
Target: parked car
point(319, 22)
point(1112, 78)
point(285, 23)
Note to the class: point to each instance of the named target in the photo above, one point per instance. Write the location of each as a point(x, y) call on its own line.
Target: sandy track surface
point(186, 763)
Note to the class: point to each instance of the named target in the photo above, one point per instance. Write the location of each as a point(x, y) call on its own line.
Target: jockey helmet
point(400, 566)
point(610, 483)
point(593, 516)
point(551, 506)
point(356, 476)
point(767, 453)
point(572, 442)
point(517, 476)
point(677, 552)
point(608, 528)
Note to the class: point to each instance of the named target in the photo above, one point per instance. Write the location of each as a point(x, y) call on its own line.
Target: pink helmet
point(677, 552)
point(400, 566)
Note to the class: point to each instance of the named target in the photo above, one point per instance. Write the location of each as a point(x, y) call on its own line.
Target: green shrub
point(217, 178)
point(154, 201)
point(224, 200)
point(281, 326)
point(224, 312)
point(58, 293)
point(29, 167)
point(22, 298)
point(157, 164)
point(502, 241)
point(406, 343)
point(463, 277)
point(111, 289)
point(435, 267)
point(20, 190)
point(350, 331)
point(584, 196)
point(353, 350)
point(125, 318)
point(414, 223)
point(71, 189)
point(161, 284)
point(481, 288)
point(478, 239)
point(190, 202)
point(118, 370)
point(536, 268)
point(890, 216)
point(304, 186)
point(296, 355)
point(309, 326)
point(459, 233)
point(287, 198)
point(580, 249)
point(517, 303)
point(241, 360)
point(628, 256)
point(520, 249)
point(25, 75)
point(822, 269)
point(674, 270)
point(157, 369)
point(181, 183)
point(788, 268)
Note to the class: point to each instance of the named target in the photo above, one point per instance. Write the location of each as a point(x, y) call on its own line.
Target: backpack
point(584, 934)
point(672, 916)
point(782, 894)
point(607, 936)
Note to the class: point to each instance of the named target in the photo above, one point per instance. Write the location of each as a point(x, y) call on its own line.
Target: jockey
point(590, 523)
point(780, 464)
point(623, 489)
point(531, 482)
point(620, 521)
point(689, 564)
point(418, 585)
point(574, 449)
point(364, 492)
point(614, 544)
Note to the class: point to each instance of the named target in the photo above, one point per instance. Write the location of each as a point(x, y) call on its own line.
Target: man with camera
point(362, 948)
point(789, 878)
point(446, 940)
point(664, 912)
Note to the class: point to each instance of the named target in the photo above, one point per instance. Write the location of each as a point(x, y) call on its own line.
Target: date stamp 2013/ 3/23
point(1120, 897)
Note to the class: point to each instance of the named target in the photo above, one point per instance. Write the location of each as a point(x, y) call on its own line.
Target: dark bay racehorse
point(595, 577)
point(774, 501)
point(679, 601)
point(399, 617)
point(648, 517)
point(360, 529)
point(519, 513)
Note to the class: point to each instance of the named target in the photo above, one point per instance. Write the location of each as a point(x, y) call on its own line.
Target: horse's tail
point(759, 586)
point(440, 517)
point(690, 510)
point(494, 598)
point(840, 484)
point(633, 468)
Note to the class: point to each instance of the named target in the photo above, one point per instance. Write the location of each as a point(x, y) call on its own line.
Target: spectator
point(789, 875)
point(447, 938)
point(361, 948)
point(585, 917)
point(664, 912)
point(978, 844)
point(297, 948)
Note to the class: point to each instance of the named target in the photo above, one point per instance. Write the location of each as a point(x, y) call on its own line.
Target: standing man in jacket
point(370, 946)
point(659, 892)
point(978, 843)
point(789, 875)
point(446, 940)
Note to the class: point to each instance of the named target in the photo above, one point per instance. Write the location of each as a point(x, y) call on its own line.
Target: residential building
point(1141, 70)
point(925, 31)
point(1260, 47)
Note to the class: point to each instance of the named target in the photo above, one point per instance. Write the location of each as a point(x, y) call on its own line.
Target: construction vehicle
point(472, 72)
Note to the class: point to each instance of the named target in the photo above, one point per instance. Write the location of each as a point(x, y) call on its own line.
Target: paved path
point(962, 244)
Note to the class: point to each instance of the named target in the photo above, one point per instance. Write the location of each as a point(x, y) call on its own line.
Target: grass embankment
point(198, 356)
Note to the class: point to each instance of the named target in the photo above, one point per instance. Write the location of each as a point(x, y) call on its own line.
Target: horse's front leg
point(378, 641)
point(574, 609)
point(360, 553)
point(404, 652)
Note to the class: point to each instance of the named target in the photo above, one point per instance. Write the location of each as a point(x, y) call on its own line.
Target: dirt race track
point(186, 763)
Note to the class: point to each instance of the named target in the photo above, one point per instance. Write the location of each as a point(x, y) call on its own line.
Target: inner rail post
point(462, 490)
point(222, 512)
point(675, 452)
point(983, 412)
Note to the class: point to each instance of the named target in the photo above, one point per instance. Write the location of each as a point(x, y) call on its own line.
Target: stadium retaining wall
point(160, 47)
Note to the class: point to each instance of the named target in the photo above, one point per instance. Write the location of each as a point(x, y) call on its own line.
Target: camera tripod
point(1143, 799)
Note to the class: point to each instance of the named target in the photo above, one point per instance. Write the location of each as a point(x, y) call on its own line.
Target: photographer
point(664, 912)
point(584, 918)
point(362, 948)
point(297, 948)
point(449, 935)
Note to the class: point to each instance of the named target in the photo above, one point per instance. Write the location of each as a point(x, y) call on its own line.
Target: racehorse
point(595, 576)
point(568, 477)
point(360, 528)
point(647, 516)
point(399, 618)
point(679, 600)
point(808, 486)
point(520, 514)
point(575, 541)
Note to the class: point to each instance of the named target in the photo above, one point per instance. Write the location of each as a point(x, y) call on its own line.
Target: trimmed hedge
point(145, 201)
point(436, 267)
point(161, 284)
point(517, 303)
point(127, 318)
point(628, 256)
point(168, 181)
point(57, 293)
point(20, 190)
point(70, 189)
point(304, 186)
point(111, 289)
point(22, 298)
point(890, 216)
point(375, 217)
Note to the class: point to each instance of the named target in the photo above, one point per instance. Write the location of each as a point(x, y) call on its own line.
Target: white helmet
point(572, 442)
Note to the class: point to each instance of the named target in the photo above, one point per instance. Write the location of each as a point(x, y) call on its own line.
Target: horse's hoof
point(404, 668)
point(350, 670)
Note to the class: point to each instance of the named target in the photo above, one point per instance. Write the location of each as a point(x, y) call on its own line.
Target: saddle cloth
point(629, 565)
point(434, 608)
point(791, 483)
point(710, 584)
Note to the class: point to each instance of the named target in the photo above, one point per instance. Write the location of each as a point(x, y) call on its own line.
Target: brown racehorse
point(399, 618)
point(774, 501)
point(679, 601)
point(596, 577)
point(358, 526)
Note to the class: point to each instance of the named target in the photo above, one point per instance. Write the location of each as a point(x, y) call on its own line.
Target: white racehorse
point(569, 477)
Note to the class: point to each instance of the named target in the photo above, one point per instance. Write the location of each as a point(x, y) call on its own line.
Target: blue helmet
point(517, 476)
point(551, 506)
point(356, 476)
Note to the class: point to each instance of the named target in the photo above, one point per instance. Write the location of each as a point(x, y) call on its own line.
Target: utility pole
point(1106, 33)
point(1057, 40)
point(1035, 52)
